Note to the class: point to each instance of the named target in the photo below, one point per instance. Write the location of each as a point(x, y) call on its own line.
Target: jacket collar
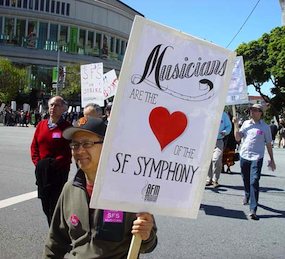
point(79, 180)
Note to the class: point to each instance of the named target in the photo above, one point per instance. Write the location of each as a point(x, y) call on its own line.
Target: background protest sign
point(110, 84)
point(237, 93)
point(164, 123)
point(92, 84)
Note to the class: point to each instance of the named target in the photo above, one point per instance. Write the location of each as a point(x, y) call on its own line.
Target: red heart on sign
point(165, 126)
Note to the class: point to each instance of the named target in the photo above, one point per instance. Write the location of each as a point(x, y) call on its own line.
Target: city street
point(222, 229)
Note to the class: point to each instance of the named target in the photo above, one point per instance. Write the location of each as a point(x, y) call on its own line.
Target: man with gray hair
point(51, 155)
point(93, 110)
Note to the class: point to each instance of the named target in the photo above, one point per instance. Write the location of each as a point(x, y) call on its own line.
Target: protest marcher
point(51, 155)
point(255, 133)
point(281, 133)
point(93, 233)
point(108, 109)
point(274, 131)
point(216, 162)
point(230, 145)
point(93, 110)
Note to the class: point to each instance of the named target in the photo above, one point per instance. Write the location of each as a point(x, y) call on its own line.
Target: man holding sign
point(93, 233)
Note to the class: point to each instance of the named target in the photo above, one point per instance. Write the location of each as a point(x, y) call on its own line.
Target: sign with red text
point(110, 84)
point(92, 84)
point(164, 123)
point(237, 93)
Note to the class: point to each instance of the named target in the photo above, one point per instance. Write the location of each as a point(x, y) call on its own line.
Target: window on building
point(47, 5)
point(31, 4)
point(82, 34)
point(1, 21)
point(7, 2)
point(36, 4)
point(1, 2)
point(32, 34)
point(98, 40)
point(53, 32)
point(90, 39)
point(19, 3)
point(63, 34)
point(9, 29)
point(25, 4)
point(57, 7)
point(67, 9)
point(123, 43)
point(42, 5)
point(62, 8)
point(73, 40)
point(112, 44)
point(117, 46)
point(13, 3)
point(20, 32)
point(42, 35)
point(52, 6)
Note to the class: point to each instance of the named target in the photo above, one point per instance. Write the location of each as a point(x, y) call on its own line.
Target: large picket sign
point(237, 93)
point(92, 84)
point(164, 123)
point(110, 84)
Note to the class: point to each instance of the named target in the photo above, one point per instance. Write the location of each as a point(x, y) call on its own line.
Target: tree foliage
point(72, 85)
point(264, 60)
point(12, 80)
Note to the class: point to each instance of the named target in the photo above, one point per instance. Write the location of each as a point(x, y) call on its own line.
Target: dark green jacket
point(89, 236)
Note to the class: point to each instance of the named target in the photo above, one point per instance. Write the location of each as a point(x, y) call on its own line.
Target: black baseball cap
point(89, 124)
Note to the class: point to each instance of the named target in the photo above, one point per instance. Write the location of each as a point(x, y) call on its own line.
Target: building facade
point(39, 34)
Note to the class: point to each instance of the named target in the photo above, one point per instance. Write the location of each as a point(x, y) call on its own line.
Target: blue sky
point(215, 20)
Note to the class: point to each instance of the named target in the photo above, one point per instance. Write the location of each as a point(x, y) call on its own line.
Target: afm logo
point(150, 192)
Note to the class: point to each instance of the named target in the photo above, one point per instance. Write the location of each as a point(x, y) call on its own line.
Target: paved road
point(222, 229)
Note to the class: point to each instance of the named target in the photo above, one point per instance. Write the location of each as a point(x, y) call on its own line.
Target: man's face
point(55, 108)
point(88, 111)
point(87, 158)
point(255, 114)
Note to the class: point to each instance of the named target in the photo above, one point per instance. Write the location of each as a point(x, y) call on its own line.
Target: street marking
point(18, 199)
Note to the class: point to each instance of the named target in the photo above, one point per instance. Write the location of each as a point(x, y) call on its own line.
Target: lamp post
point(57, 79)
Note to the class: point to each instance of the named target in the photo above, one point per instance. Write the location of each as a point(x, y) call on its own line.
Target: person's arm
point(35, 153)
point(238, 135)
point(270, 153)
point(58, 241)
point(145, 226)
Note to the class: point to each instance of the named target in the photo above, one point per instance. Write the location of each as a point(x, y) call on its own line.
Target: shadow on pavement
point(279, 213)
point(261, 189)
point(222, 212)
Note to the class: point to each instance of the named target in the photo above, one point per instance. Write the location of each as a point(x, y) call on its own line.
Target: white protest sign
point(110, 84)
point(26, 107)
point(92, 84)
point(78, 109)
point(237, 93)
point(164, 123)
point(2, 107)
point(13, 105)
point(69, 109)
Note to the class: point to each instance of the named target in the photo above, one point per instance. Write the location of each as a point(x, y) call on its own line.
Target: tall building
point(282, 4)
point(87, 31)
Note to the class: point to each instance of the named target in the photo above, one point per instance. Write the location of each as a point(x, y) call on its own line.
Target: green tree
point(72, 86)
point(12, 80)
point(264, 60)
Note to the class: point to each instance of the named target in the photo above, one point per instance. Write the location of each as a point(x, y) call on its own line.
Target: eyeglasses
point(55, 105)
point(86, 144)
point(255, 110)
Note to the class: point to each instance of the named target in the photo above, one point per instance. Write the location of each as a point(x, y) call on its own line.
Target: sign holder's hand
point(141, 231)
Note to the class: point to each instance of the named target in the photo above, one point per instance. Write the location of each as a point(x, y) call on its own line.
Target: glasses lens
point(74, 145)
point(87, 144)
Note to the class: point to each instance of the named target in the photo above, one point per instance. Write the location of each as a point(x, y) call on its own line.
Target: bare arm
point(270, 153)
point(236, 130)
